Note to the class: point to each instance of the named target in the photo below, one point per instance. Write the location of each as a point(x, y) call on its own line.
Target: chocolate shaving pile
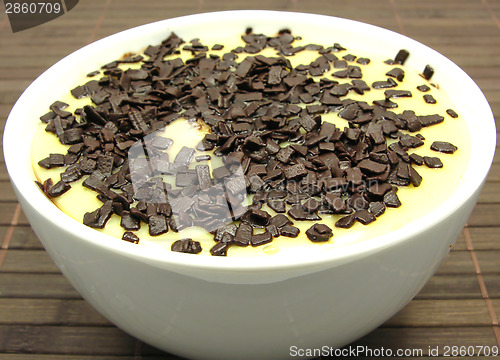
point(265, 120)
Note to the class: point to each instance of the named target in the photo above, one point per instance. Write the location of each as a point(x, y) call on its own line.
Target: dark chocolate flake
point(93, 115)
point(433, 162)
point(390, 83)
point(290, 231)
point(93, 73)
point(346, 222)
point(161, 143)
point(202, 158)
point(58, 189)
point(298, 213)
point(99, 218)
point(416, 159)
point(357, 202)
point(47, 117)
point(349, 57)
point(364, 217)
point(226, 229)
point(319, 233)
point(401, 56)
point(391, 199)
point(342, 74)
point(258, 217)
point(157, 225)
point(354, 72)
point(429, 99)
point(204, 178)
point(272, 147)
point(277, 205)
point(363, 61)
point(243, 235)
point(261, 239)
point(129, 222)
point(236, 186)
point(408, 141)
point(130, 237)
point(311, 205)
point(444, 147)
point(428, 120)
point(256, 183)
point(71, 174)
point(379, 189)
point(336, 203)
point(227, 238)
point(73, 135)
point(45, 163)
point(428, 72)
point(397, 93)
point(397, 73)
point(386, 103)
point(187, 246)
point(273, 230)
point(184, 156)
point(105, 164)
point(360, 86)
point(79, 92)
point(377, 208)
point(415, 177)
point(295, 171)
point(56, 160)
point(372, 167)
point(452, 113)
point(91, 218)
point(423, 88)
point(280, 221)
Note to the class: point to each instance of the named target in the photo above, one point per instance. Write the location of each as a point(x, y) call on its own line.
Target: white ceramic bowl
point(247, 308)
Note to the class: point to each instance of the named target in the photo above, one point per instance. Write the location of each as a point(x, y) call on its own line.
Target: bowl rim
point(45, 208)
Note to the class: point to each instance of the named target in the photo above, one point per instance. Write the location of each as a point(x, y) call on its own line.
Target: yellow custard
point(437, 184)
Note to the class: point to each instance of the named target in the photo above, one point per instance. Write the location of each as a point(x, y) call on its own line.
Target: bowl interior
point(469, 100)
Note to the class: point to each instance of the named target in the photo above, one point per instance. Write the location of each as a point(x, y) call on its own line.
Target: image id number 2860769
point(32, 8)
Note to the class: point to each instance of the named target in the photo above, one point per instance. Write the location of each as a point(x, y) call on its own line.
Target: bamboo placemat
point(43, 318)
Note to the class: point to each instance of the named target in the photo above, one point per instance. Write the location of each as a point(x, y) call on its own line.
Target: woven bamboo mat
point(43, 318)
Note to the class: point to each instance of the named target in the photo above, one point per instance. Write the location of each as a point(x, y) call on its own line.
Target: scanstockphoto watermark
point(365, 351)
point(26, 14)
point(353, 351)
